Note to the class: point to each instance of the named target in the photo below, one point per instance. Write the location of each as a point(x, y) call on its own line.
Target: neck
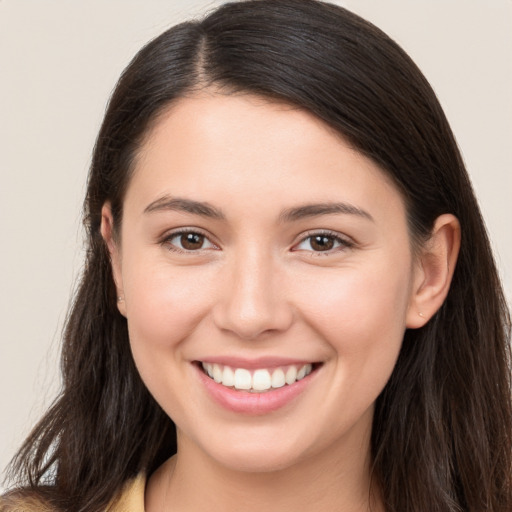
point(334, 480)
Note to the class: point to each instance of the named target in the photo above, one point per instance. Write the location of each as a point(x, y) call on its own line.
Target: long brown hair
point(441, 439)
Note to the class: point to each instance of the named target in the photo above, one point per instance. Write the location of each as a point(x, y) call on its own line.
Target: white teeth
point(305, 370)
point(228, 377)
point(217, 373)
point(242, 379)
point(278, 379)
point(208, 368)
point(291, 375)
point(260, 380)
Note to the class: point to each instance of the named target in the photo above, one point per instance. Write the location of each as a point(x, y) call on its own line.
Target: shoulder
point(23, 501)
point(131, 498)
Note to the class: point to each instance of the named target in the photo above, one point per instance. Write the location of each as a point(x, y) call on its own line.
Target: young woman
point(289, 297)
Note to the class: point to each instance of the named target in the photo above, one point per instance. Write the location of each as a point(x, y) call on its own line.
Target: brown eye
point(188, 241)
point(191, 241)
point(322, 243)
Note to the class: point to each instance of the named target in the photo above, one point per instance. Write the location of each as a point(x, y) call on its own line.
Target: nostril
point(250, 322)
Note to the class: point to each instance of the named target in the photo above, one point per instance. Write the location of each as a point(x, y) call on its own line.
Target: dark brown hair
point(441, 439)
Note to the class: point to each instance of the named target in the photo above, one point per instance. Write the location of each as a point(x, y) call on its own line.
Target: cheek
point(164, 304)
point(361, 315)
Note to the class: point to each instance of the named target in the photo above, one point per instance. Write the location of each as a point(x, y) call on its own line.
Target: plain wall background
point(59, 60)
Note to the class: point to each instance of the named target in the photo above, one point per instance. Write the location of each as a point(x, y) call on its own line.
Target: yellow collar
point(131, 498)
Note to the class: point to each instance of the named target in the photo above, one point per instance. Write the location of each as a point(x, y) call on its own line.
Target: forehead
point(227, 147)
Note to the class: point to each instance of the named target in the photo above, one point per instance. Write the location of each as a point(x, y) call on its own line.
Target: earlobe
point(107, 232)
point(434, 271)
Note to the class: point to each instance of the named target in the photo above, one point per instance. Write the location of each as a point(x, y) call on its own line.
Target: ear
point(107, 232)
point(434, 272)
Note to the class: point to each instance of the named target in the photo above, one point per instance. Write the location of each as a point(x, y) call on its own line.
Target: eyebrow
point(314, 210)
point(178, 204)
point(204, 209)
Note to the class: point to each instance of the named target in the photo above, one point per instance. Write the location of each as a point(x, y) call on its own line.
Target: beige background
point(58, 63)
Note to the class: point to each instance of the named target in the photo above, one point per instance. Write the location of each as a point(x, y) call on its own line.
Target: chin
point(254, 452)
point(256, 460)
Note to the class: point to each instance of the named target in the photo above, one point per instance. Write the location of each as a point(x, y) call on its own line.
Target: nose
point(253, 301)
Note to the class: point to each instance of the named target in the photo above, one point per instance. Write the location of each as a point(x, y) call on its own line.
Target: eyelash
point(168, 238)
point(342, 242)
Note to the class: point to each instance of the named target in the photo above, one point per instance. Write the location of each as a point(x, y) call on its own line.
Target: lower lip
point(254, 403)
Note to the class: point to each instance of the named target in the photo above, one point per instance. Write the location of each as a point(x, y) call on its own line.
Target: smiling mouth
point(259, 380)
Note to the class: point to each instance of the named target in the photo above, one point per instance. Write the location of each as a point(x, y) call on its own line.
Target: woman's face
point(258, 245)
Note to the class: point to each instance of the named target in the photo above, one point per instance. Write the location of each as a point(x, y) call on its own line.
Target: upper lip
point(255, 363)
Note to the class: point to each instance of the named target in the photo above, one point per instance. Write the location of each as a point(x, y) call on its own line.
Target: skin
point(257, 286)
